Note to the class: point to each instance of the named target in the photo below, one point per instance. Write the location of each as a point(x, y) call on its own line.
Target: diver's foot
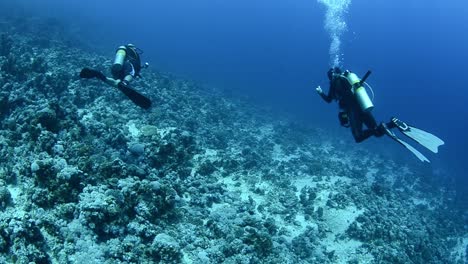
point(398, 123)
point(385, 130)
point(87, 73)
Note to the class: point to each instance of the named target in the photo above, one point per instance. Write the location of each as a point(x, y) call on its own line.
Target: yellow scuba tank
point(360, 92)
point(119, 61)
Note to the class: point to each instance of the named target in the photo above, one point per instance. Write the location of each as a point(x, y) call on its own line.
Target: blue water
point(277, 52)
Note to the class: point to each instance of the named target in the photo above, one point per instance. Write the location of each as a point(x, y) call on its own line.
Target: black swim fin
point(137, 98)
point(88, 73)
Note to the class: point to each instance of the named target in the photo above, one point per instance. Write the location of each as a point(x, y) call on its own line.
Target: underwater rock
point(149, 131)
point(137, 149)
point(35, 167)
point(4, 105)
point(23, 240)
point(206, 168)
point(5, 197)
point(98, 209)
point(260, 240)
point(38, 65)
point(166, 248)
point(48, 119)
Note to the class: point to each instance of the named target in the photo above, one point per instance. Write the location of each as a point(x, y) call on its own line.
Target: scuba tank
point(359, 91)
point(119, 61)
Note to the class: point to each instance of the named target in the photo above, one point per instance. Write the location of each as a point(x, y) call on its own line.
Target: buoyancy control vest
point(126, 53)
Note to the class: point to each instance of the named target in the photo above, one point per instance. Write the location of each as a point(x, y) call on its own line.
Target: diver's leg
point(356, 122)
point(363, 135)
point(112, 82)
point(372, 127)
point(116, 82)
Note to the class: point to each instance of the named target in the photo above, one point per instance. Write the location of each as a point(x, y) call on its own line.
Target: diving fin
point(424, 138)
point(88, 73)
point(418, 154)
point(137, 98)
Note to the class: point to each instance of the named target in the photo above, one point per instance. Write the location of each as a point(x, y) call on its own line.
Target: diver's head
point(134, 48)
point(333, 71)
point(131, 47)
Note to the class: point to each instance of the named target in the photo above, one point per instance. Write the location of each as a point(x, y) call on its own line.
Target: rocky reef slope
point(87, 177)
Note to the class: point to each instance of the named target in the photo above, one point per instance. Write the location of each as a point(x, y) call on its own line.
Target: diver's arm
point(112, 82)
point(326, 97)
point(115, 82)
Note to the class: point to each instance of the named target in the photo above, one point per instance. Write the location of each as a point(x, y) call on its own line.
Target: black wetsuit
point(340, 90)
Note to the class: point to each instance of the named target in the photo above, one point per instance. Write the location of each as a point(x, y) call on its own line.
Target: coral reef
point(85, 176)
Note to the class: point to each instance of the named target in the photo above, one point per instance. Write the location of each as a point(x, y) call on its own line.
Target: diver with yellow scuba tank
point(355, 111)
point(126, 66)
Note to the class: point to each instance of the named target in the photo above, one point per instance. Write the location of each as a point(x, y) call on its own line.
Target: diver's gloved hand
point(344, 119)
point(88, 73)
point(122, 84)
point(319, 89)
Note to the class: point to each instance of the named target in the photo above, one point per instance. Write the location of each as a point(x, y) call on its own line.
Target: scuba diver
point(355, 111)
point(127, 65)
